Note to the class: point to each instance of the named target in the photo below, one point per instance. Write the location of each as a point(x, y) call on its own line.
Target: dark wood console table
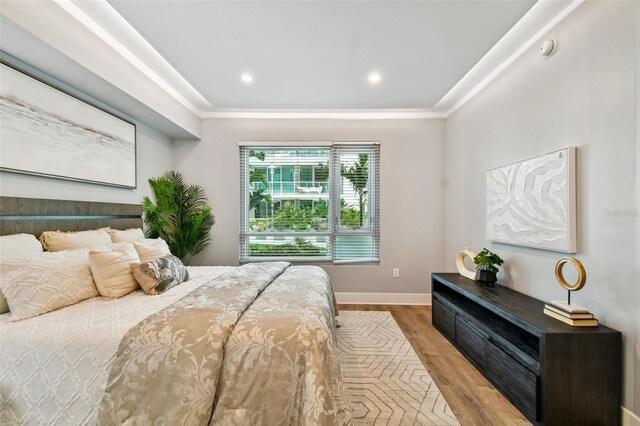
point(553, 373)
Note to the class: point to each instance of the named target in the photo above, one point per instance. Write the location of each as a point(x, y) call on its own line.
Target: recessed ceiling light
point(246, 77)
point(374, 77)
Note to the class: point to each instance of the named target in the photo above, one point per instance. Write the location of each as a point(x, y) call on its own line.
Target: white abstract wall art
point(45, 131)
point(532, 203)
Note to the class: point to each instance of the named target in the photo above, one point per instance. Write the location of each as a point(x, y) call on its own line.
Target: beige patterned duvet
point(256, 348)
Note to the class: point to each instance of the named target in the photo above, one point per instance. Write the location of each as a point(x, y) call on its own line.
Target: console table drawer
point(471, 340)
point(444, 318)
point(517, 383)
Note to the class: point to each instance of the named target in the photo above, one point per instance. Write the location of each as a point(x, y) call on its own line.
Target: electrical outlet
point(396, 272)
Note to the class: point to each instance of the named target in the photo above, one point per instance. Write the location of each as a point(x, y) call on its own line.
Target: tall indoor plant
point(181, 215)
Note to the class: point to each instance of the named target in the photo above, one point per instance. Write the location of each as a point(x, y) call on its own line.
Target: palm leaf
point(181, 215)
point(358, 176)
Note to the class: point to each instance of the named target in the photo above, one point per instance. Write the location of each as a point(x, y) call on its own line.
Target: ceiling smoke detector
point(548, 48)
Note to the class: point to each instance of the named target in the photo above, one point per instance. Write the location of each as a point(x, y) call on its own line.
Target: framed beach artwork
point(532, 203)
point(45, 131)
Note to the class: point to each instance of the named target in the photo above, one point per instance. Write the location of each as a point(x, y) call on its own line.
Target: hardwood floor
point(471, 397)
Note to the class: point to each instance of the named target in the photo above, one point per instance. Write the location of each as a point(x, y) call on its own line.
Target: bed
point(250, 345)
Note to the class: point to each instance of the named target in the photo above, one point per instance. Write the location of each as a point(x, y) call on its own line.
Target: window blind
point(315, 203)
point(356, 202)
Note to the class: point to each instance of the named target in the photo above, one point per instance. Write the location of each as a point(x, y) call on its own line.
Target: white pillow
point(17, 245)
point(128, 235)
point(150, 249)
point(58, 241)
point(112, 273)
point(43, 283)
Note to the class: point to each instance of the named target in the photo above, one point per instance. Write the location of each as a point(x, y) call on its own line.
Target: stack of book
point(576, 316)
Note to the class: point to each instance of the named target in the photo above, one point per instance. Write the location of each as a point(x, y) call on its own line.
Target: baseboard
point(384, 298)
point(629, 419)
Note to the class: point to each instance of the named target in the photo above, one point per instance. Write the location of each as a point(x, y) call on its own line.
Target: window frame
point(334, 229)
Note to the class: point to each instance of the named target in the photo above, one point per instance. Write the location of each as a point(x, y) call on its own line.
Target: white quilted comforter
point(54, 368)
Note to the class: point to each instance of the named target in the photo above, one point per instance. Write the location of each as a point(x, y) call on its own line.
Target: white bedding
point(54, 368)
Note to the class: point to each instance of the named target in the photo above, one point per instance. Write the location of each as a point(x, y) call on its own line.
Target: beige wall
point(582, 96)
point(412, 203)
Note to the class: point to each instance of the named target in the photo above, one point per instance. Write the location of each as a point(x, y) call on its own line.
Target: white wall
point(154, 157)
point(412, 160)
point(582, 96)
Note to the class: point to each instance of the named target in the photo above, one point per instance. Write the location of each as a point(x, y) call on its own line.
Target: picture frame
point(532, 202)
point(48, 131)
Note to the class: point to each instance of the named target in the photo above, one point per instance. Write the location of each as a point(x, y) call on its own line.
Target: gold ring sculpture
point(582, 274)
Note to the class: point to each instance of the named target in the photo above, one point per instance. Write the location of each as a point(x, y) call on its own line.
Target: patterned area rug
point(386, 381)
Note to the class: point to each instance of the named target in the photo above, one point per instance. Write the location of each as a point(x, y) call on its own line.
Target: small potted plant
point(487, 264)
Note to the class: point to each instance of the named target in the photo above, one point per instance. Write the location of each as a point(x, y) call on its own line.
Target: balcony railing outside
point(294, 188)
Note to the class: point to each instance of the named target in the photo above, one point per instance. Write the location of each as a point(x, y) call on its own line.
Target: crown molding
point(106, 27)
point(535, 24)
point(97, 50)
point(339, 114)
point(107, 24)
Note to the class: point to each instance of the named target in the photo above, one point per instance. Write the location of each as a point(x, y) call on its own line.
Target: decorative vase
point(462, 269)
point(487, 277)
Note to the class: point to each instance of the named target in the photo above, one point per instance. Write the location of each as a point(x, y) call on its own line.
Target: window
point(315, 203)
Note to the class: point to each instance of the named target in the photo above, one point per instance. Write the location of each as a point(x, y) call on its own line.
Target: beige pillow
point(112, 273)
point(58, 241)
point(4, 305)
point(128, 235)
point(17, 245)
point(159, 275)
point(151, 249)
point(43, 283)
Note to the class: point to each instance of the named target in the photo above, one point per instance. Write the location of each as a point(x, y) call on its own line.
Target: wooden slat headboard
point(35, 215)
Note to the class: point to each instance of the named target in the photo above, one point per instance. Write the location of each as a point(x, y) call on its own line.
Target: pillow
point(112, 273)
point(17, 245)
point(128, 235)
point(58, 241)
point(151, 249)
point(43, 283)
point(4, 306)
point(159, 275)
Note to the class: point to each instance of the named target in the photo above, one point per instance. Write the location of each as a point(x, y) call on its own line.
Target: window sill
point(324, 262)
